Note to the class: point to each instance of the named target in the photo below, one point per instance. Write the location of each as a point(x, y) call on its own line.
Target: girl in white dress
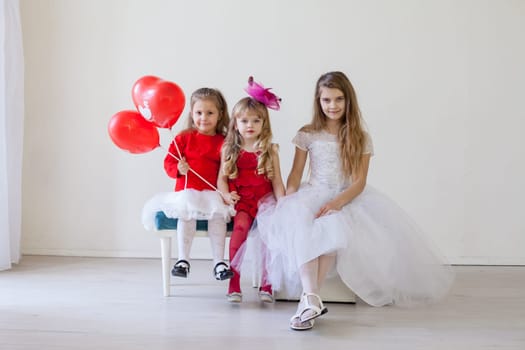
point(335, 222)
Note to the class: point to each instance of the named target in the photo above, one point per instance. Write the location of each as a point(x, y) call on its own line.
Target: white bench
point(334, 290)
point(166, 229)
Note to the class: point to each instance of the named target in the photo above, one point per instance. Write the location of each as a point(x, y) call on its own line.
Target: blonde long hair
point(218, 99)
point(233, 142)
point(351, 135)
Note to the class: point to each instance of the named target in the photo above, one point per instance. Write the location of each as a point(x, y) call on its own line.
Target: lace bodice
point(325, 163)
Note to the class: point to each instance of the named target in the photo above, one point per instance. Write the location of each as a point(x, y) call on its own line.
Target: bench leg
point(165, 253)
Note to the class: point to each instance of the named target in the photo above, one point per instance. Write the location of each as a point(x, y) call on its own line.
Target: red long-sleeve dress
point(192, 197)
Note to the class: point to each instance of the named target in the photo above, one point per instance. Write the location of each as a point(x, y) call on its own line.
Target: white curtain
point(11, 131)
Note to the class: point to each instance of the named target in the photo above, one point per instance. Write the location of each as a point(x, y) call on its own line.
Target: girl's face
point(205, 116)
point(249, 126)
point(332, 102)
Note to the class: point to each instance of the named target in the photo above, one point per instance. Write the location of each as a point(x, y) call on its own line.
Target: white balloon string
point(231, 206)
point(180, 156)
point(194, 172)
point(177, 147)
point(175, 142)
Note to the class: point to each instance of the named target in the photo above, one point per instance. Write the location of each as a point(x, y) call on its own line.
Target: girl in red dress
point(250, 172)
point(193, 160)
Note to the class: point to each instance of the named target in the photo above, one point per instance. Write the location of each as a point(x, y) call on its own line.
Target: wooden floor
point(97, 303)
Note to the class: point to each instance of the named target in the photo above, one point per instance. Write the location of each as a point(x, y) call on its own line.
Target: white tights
point(186, 230)
point(313, 273)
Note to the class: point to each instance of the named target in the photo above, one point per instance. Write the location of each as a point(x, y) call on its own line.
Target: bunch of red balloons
point(159, 103)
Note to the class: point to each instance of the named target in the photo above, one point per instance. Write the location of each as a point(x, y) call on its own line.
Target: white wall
point(440, 85)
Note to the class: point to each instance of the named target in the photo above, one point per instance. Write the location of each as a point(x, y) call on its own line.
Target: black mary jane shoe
point(222, 272)
point(181, 269)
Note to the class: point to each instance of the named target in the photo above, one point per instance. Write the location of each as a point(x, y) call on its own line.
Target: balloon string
point(177, 147)
point(194, 172)
point(232, 206)
point(180, 156)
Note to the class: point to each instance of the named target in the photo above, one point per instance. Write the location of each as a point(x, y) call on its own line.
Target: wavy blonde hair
point(351, 135)
point(218, 99)
point(233, 143)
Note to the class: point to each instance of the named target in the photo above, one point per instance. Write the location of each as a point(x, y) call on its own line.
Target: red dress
point(250, 186)
point(203, 154)
point(197, 200)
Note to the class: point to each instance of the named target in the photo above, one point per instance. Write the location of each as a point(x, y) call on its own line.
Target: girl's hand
point(328, 208)
point(183, 166)
point(231, 198)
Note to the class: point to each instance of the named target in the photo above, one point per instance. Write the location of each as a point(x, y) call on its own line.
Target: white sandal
point(315, 311)
point(234, 297)
point(297, 325)
point(266, 297)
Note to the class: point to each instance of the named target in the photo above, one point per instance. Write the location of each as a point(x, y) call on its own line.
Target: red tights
point(241, 226)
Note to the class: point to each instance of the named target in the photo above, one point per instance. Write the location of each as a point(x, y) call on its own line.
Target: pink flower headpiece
point(263, 95)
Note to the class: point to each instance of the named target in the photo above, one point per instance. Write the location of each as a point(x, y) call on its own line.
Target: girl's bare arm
point(296, 174)
point(345, 197)
point(277, 180)
point(222, 185)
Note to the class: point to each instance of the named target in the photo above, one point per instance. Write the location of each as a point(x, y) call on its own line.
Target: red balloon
point(159, 101)
point(131, 132)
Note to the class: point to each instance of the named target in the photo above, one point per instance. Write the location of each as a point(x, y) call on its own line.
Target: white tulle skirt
point(382, 256)
point(187, 204)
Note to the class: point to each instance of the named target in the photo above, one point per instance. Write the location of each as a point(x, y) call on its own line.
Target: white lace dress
point(381, 254)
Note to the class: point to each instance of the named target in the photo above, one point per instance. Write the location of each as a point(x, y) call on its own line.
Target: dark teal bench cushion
point(164, 223)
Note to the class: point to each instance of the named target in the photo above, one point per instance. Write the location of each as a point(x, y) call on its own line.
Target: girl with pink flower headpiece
point(250, 175)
